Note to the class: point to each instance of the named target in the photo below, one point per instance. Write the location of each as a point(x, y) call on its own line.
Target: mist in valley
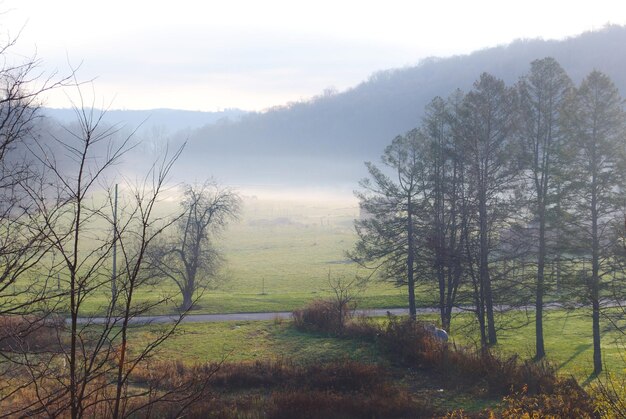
point(330, 210)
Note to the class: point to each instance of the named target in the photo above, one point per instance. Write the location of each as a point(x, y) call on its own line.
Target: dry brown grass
point(283, 389)
point(31, 334)
point(321, 316)
point(529, 389)
point(411, 344)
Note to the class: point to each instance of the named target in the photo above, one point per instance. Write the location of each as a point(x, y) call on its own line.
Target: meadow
point(277, 257)
point(280, 254)
point(261, 345)
point(567, 334)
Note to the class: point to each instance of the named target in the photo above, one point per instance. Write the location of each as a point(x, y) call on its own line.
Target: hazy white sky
point(210, 55)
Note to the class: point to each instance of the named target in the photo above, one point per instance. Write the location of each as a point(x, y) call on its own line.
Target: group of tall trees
point(502, 190)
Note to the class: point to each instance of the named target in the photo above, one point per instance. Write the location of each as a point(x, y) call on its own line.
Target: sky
point(253, 54)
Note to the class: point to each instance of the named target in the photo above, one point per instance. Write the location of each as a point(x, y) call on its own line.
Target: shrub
point(532, 390)
point(245, 375)
point(31, 334)
point(392, 403)
point(609, 393)
point(413, 343)
point(171, 375)
point(321, 316)
point(363, 327)
point(512, 375)
point(334, 390)
point(410, 343)
point(568, 400)
point(343, 376)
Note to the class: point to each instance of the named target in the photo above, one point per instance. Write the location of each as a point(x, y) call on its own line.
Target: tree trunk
point(410, 262)
point(485, 280)
point(446, 308)
point(442, 291)
point(595, 284)
point(479, 301)
point(491, 324)
point(187, 300)
point(481, 322)
point(597, 350)
point(540, 351)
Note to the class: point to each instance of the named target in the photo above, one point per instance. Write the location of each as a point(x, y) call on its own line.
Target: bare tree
point(188, 256)
point(22, 85)
point(25, 296)
point(89, 372)
point(345, 292)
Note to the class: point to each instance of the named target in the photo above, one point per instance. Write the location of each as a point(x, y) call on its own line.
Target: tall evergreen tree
point(542, 94)
point(447, 203)
point(487, 126)
point(389, 204)
point(594, 120)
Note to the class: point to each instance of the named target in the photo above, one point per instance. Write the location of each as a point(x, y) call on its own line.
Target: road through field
point(199, 318)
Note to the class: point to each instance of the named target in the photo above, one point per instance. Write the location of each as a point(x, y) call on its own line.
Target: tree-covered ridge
point(349, 127)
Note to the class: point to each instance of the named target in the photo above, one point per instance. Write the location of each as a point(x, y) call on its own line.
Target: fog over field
point(330, 209)
point(322, 142)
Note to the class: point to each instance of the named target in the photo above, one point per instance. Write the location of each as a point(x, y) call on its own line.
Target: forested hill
point(327, 138)
point(171, 120)
point(324, 141)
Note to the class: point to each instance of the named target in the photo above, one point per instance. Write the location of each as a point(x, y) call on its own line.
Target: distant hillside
point(326, 140)
point(171, 119)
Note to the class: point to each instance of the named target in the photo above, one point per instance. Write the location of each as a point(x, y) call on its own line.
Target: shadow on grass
point(592, 377)
point(308, 347)
point(579, 350)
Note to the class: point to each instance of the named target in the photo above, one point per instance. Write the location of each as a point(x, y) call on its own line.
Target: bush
point(322, 316)
point(338, 376)
point(567, 400)
point(171, 375)
point(334, 390)
point(532, 390)
point(413, 343)
point(410, 343)
point(343, 376)
point(384, 403)
point(31, 334)
point(609, 392)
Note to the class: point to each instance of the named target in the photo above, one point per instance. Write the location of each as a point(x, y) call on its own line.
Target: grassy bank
point(567, 335)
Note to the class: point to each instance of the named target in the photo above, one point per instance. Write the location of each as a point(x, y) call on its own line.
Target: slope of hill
point(325, 140)
point(171, 119)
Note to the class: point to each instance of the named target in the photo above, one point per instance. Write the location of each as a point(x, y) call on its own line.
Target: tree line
point(505, 196)
point(353, 126)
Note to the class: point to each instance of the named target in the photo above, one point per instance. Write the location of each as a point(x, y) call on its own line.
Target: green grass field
point(250, 341)
point(277, 257)
point(567, 335)
point(568, 338)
